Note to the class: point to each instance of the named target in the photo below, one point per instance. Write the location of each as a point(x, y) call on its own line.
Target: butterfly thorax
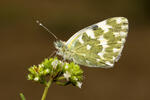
point(63, 50)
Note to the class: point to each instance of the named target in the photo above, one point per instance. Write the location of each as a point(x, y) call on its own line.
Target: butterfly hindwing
point(99, 45)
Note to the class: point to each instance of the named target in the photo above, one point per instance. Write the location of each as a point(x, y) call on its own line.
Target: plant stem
point(48, 84)
point(22, 96)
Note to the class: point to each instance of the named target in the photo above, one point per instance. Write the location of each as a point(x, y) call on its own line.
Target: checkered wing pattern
point(101, 44)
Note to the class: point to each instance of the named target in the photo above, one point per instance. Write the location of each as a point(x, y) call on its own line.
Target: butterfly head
point(61, 47)
point(59, 44)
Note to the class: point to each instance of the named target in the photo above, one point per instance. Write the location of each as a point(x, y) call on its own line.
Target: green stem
point(22, 96)
point(48, 84)
point(60, 78)
point(62, 83)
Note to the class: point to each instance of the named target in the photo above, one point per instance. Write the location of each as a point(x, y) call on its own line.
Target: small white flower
point(60, 61)
point(47, 70)
point(41, 65)
point(67, 75)
point(55, 63)
point(79, 84)
point(36, 78)
point(29, 77)
point(66, 66)
point(76, 79)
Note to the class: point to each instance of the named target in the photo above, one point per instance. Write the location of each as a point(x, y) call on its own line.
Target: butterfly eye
point(58, 44)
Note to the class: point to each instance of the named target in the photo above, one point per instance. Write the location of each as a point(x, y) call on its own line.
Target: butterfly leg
point(54, 52)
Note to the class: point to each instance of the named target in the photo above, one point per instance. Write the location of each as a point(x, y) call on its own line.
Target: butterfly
point(98, 45)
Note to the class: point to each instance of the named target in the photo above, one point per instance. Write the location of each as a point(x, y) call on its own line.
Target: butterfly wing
point(101, 44)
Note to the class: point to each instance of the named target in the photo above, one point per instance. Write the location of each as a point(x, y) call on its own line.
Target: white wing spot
point(88, 47)
point(84, 55)
point(119, 42)
point(124, 27)
point(108, 63)
point(123, 40)
point(104, 47)
point(123, 33)
point(98, 60)
point(118, 20)
point(116, 34)
point(80, 40)
point(90, 33)
point(113, 58)
point(88, 62)
point(102, 40)
point(101, 54)
point(115, 50)
point(104, 26)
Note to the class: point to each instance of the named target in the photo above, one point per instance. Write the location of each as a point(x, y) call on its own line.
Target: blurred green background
point(24, 43)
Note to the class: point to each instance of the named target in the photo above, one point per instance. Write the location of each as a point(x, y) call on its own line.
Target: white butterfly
point(99, 45)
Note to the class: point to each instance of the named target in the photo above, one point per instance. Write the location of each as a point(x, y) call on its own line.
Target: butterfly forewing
point(99, 45)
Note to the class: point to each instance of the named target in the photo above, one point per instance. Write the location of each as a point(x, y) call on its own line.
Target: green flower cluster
point(62, 73)
point(73, 73)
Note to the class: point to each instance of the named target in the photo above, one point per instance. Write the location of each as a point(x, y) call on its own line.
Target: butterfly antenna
point(40, 24)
